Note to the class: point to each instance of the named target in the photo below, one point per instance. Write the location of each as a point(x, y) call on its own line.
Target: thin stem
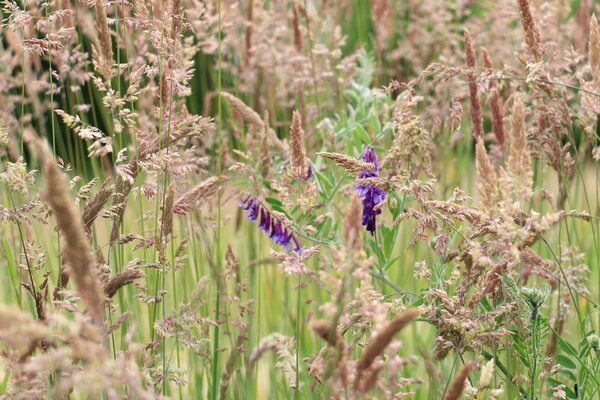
point(217, 243)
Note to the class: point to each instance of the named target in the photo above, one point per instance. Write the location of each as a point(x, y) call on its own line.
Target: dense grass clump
point(242, 199)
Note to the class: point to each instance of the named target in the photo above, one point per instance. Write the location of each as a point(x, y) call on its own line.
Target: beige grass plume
point(298, 154)
point(247, 113)
point(519, 159)
point(488, 181)
point(254, 121)
point(328, 333)
point(264, 156)
point(120, 280)
point(104, 41)
point(378, 343)
point(594, 51)
point(350, 164)
point(495, 102)
point(476, 119)
point(532, 34)
point(92, 208)
point(195, 196)
point(76, 250)
point(296, 26)
point(352, 223)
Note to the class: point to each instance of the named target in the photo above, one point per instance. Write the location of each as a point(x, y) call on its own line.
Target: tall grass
point(273, 199)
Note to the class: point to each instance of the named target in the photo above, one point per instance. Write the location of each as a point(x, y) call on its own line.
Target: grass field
point(243, 199)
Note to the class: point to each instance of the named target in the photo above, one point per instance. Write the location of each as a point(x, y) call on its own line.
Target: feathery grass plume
point(76, 250)
point(532, 34)
point(325, 331)
point(93, 206)
point(264, 157)
point(495, 102)
point(380, 341)
point(582, 20)
point(121, 279)
point(197, 195)
point(372, 378)
point(230, 365)
point(335, 340)
point(298, 154)
point(350, 164)
point(519, 159)
point(247, 113)
point(249, 27)
point(123, 186)
point(412, 142)
point(176, 18)
point(68, 20)
point(19, 331)
point(167, 212)
point(105, 41)
point(163, 97)
point(90, 212)
point(488, 181)
point(352, 223)
point(476, 119)
point(296, 27)
point(594, 51)
point(486, 374)
point(255, 122)
point(458, 384)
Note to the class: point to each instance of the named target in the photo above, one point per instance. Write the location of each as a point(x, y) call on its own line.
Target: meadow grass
point(480, 277)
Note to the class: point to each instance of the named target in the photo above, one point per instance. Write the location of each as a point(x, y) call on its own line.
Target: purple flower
point(251, 205)
point(279, 234)
point(265, 221)
point(309, 173)
point(371, 196)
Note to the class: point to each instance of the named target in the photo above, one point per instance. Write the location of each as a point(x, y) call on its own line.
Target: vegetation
point(243, 199)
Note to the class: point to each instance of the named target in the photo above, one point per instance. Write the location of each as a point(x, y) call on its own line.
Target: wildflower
point(594, 342)
point(268, 223)
point(371, 195)
point(535, 297)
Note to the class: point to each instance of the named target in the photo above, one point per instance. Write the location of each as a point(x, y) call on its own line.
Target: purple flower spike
point(309, 173)
point(371, 196)
point(265, 220)
point(275, 231)
point(254, 209)
point(244, 201)
point(298, 245)
point(369, 156)
point(272, 226)
point(287, 236)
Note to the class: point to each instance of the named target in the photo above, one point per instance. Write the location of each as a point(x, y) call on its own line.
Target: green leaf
point(566, 362)
point(567, 348)
point(391, 262)
point(485, 304)
point(325, 228)
point(389, 239)
point(375, 124)
point(4, 383)
point(570, 393)
point(325, 183)
point(276, 204)
point(568, 374)
point(362, 134)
